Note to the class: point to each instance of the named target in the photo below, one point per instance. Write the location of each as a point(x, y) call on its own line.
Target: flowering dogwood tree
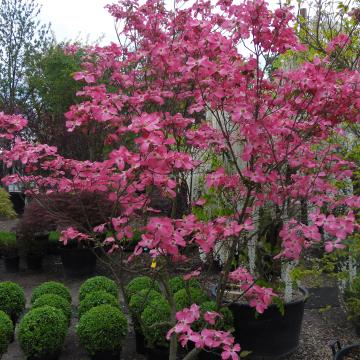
point(173, 70)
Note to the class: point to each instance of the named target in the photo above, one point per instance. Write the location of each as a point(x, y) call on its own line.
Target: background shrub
point(6, 206)
point(139, 301)
point(55, 301)
point(51, 287)
point(102, 328)
point(185, 297)
point(8, 243)
point(6, 332)
point(155, 318)
point(97, 298)
point(98, 283)
point(12, 299)
point(139, 283)
point(42, 332)
point(177, 283)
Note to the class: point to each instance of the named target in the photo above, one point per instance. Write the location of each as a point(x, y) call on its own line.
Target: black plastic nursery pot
point(140, 342)
point(34, 261)
point(209, 355)
point(157, 353)
point(78, 262)
point(12, 264)
point(45, 357)
point(106, 355)
point(270, 335)
point(348, 352)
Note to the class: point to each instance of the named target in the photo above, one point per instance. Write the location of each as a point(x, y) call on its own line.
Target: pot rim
point(303, 299)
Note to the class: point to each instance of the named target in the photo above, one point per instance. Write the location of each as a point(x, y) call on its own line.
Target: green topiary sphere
point(6, 332)
point(102, 329)
point(42, 332)
point(51, 287)
point(96, 298)
point(177, 283)
point(143, 299)
point(139, 283)
point(183, 300)
point(98, 283)
point(55, 301)
point(158, 312)
point(12, 299)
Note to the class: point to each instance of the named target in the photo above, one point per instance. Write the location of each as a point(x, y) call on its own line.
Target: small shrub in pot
point(96, 298)
point(101, 331)
point(9, 250)
point(55, 301)
point(12, 299)
point(139, 283)
point(98, 283)
point(51, 287)
point(42, 333)
point(177, 283)
point(6, 332)
point(155, 318)
point(185, 297)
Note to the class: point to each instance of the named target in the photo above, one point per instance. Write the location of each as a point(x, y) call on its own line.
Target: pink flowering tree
point(186, 85)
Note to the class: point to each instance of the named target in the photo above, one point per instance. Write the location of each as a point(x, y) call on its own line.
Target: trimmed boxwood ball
point(158, 312)
point(55, 301)
point(102, 329)
point(143, 299)
point(51, 287)
point(177, 283)
point(6, 332)
point(98, 283)
point(96, 298)
point(42, 332)
point(12, 299)
point(183, 300)
point(222, 323)
point(139, 283)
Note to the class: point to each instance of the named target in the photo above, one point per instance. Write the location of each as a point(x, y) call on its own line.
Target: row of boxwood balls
point(42, 330)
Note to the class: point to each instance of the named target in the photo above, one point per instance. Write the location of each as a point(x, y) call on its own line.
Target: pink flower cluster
point(258, 297)
point(207, 338)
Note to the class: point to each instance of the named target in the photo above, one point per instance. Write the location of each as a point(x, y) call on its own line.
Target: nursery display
point(12, 299)
point(42, 333)
point(9, 251)
point(217, 140)
point(100, 320)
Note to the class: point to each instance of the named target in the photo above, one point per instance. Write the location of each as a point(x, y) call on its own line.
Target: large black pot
point(12, 264)
point(78, 262)
point(45, 357)
point(140, 342)
point(270, 335)
point(34, 261)
point(339, 352)
point(106, 355)
point(157, 353)
point(209, 355)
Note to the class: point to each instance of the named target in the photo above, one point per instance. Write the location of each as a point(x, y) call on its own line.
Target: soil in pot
point(106, 355)
point(271, 335)
point(34, 261)
point(78, 262)
point(12, 264)
point(157, 353)
point(45, 357)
